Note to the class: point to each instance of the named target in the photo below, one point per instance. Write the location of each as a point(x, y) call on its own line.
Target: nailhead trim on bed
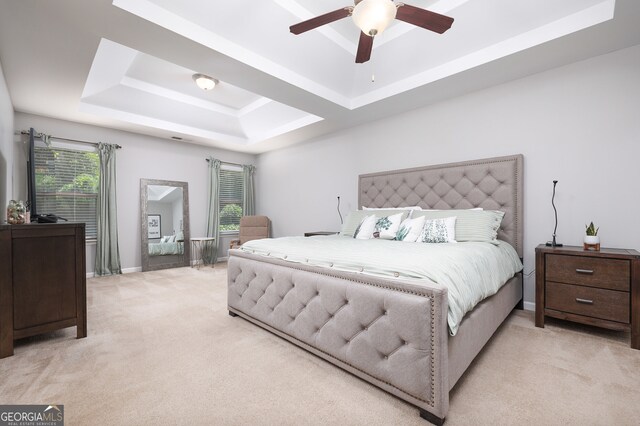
point(235, 277)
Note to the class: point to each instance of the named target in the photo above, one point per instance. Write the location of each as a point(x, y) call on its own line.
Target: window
point(231, 199)
point(67, 185)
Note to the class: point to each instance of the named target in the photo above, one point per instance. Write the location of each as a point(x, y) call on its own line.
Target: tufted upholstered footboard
point(391, 333)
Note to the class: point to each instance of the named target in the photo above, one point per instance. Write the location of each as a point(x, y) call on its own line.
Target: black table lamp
point(553, 242)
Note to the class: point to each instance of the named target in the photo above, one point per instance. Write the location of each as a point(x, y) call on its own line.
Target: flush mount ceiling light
point(204, 81)
point(373, 17)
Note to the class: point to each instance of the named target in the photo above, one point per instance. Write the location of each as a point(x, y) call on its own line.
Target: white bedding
point(471, 271)
point(162, 249)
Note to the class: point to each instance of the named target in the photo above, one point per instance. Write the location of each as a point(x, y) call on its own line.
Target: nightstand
point(599, 288)
point(316, 233)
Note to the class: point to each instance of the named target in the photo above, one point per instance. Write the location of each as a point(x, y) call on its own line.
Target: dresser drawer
point(613, 274)
point(593, 302)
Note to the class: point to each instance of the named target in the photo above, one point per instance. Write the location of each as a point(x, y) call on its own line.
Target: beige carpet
point(162, 350)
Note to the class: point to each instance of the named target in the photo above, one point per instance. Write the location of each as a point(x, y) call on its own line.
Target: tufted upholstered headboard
point(492, 183)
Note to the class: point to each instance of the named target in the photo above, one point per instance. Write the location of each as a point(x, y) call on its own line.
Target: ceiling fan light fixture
point(373, 16)
point(204, 81)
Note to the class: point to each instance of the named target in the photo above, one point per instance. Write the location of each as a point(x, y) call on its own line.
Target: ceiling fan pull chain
point(373, 71)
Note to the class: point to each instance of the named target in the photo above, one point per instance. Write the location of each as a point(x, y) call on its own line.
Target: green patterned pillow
point(439, 231)
point(387, 226)
point(355, 218)
point(410, 230)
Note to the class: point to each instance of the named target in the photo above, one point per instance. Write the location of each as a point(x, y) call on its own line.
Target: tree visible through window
point(67, 185)
point(231, 199)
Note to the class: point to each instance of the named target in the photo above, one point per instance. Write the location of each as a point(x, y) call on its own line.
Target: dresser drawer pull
point(585, 271)
point(585, 301)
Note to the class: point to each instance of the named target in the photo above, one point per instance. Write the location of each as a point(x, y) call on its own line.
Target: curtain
point(107, 251)
point(210, 252)
point(248, 193)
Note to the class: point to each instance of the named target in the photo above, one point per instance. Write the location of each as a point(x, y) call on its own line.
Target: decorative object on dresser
point(599, 288)
point(553, 242)
point(42, 281)
point(591, 240)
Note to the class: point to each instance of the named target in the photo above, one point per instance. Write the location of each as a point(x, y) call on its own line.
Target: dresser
point(42, 281)
point(599, 288)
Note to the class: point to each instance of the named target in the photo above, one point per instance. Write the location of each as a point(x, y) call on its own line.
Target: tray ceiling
point(128, 63)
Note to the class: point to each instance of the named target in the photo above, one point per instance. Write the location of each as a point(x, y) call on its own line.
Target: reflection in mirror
point(164, 208)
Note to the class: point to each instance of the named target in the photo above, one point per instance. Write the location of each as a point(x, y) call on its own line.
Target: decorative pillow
point(172, 239)
point(471, 225)
point(410, 229)
point(180, 236)
point(387, 227)
point(366, 228)
point(355, 218)
point(439, 231)
point(165, 239)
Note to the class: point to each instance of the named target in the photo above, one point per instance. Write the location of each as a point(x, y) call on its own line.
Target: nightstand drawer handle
point(585, 271)
point(585, 301)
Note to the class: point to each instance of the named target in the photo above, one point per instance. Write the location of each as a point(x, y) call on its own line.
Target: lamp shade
point(204, 81)
point(373, 16)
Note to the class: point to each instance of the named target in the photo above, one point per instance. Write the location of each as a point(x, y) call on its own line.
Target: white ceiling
point(128, 65)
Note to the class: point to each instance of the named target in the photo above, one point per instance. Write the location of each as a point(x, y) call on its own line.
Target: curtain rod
point(226, 162)
point(39, 135)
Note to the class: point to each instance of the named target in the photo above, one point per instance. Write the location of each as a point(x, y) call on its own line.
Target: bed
point(389, 330)
point(166, 248)
point(168, 245)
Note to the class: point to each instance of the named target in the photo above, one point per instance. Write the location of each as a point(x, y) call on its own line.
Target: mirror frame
point(144, 240)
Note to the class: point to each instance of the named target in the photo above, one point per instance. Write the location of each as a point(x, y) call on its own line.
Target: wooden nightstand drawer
point(613, 274)
point(593, 302)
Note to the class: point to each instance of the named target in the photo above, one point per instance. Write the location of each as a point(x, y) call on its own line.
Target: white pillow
point(387, 227)
point(366, 228)
point(172, 239)
point(410, 229)
point(441, 230)
point(165, 239)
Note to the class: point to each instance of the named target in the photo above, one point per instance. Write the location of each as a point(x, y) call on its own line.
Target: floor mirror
point(164, 220)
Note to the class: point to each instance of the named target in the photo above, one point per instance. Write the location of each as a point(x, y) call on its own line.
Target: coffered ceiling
point(128, 64)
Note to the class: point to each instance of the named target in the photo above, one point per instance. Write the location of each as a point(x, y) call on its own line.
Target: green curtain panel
point(210, 252)
point(249, 195)
point(107, 250)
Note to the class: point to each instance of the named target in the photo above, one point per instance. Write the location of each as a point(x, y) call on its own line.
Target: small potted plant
point(592, 240)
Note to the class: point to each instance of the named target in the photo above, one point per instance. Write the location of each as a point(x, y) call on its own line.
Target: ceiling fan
point(373, 17)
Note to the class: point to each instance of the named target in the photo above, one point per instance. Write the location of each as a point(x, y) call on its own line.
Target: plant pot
point(592, 242)
point(591, 239)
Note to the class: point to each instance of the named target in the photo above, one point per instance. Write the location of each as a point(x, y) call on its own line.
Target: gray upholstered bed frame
point(389, 332)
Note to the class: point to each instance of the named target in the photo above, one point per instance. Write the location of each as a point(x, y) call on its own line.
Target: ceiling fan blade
point(320, 20)
point(424, 18)
point(364, 48)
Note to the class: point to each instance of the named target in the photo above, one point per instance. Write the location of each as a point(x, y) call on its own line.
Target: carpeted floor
point(162, 350)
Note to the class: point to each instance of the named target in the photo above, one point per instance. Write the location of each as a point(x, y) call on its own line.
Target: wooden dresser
point(42, 281)
point(600, 288)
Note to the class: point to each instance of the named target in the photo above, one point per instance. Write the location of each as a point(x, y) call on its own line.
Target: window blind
point(67, 185)
point(231, 199)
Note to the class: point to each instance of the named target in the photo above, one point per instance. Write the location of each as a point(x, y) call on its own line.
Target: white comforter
point(471, 271)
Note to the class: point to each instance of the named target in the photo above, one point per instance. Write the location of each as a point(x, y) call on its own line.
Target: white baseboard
point(124, 271)
point(529, 306)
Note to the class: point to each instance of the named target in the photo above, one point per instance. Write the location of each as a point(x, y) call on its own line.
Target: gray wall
point(140, 157)
point(578, 124)
point(6, 147)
